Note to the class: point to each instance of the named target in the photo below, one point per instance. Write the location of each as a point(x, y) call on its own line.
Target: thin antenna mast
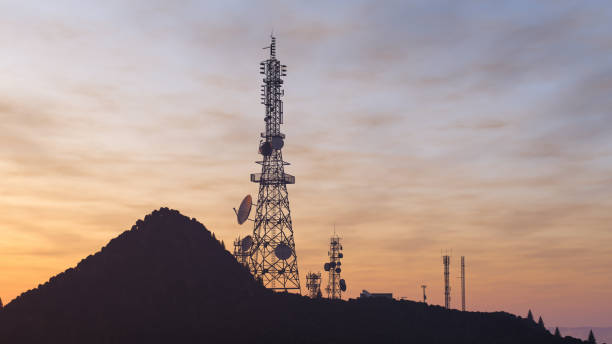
point(424, 294)
point(447, 296)
point(463, 283)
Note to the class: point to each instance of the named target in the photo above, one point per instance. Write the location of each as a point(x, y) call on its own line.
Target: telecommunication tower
point(242, 249)
point(463, 283)
point(335, 285)
point(446, 261)
point(273, 260)
point(313, 284)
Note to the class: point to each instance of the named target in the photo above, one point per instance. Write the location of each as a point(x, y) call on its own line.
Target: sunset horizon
point(412, 130)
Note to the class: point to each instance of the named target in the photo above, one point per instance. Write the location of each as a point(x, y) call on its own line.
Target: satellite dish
point(340, 255)
point(338, 263)
point(326, 267)
point(338, 270)
point(277, 142)
point(332, 265)
point(342, 285)
point(246, 243)
point(266, 149)
point(282, 251)
point(244, 210)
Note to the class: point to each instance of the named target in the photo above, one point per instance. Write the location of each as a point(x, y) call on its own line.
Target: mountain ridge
point(168, 279)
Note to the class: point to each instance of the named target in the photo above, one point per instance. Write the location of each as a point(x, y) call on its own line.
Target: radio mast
point(273, 260)
point(447, 296)
point(335, 284)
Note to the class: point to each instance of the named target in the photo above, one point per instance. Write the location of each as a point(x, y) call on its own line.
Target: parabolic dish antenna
point(342, 285)
point(277, 142)
point(246, 243)
point(245, 209)
point(332, 265)
point(338, 270)
point(340, 255)
point(282, 251)
point(326, 266)
point(266, 149)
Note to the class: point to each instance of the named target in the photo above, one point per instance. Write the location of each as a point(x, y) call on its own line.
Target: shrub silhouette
point(169, 280)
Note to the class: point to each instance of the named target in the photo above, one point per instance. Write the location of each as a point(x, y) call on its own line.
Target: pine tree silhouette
point(541, 322)
point(530, 315)
point(591, 338)
point(557, 332)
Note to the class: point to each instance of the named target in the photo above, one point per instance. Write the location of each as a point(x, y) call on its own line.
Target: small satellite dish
point(326, 267)
point(246, 243)
point(332, 265)
point(277, 142)
point(282, 251)
point(338, 270)
point(338, 263)
point(340, 255)
point(342, 285)
point(266, 149)
point(245, 209)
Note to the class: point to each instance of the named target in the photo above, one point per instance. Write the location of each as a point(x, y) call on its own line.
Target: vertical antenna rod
point(463, 283)
point(446, 261)
point(424, 294)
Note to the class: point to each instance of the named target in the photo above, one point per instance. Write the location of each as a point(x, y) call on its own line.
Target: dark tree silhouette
point(541, 322)
point(557, 332)
point(530, 316)
point(0, 302)
point(591, 339)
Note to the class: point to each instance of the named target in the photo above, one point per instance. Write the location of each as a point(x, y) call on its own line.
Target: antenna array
point(335, 285)
point(273, 260)
point(313, 284)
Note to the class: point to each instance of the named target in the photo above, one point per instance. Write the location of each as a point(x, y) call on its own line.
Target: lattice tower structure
point(240, 255)
point(447, 296)
point(335, 255)
point(463, 283)
point(313, 284)
point(273, 259)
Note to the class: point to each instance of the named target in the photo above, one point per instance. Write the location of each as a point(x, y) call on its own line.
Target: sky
point(414, 127)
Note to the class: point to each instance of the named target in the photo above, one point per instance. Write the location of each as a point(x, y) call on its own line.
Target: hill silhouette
point(168, 280)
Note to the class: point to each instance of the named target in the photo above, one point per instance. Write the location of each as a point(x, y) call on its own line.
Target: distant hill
point(168, 280)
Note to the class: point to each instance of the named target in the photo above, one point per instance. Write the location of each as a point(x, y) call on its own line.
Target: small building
point(366, 294)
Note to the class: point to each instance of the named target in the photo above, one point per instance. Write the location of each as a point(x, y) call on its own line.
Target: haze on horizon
point(414, 127)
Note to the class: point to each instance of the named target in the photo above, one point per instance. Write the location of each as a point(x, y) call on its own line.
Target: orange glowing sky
point(485, 129)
